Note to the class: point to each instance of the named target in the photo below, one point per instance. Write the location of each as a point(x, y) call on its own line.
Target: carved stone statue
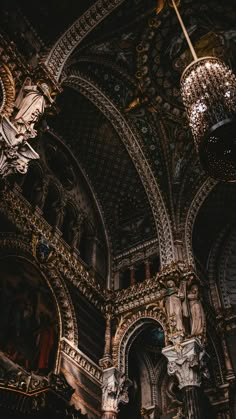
point(15, 154)
point(173, 304)
point(198, 319)
point(31, 103)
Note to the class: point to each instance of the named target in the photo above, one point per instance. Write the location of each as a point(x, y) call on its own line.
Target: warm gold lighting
point(208, 89)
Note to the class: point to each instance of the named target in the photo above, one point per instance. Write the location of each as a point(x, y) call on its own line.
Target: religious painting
point(28, 316)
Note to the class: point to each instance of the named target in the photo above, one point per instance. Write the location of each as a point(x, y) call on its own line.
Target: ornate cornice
point(132, 142)
point(147, 292)
point(73, 36)
point(81, 360)
point(135, 254)
point(8, 90)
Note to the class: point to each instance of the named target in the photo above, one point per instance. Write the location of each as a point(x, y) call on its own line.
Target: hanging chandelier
point(208, 90)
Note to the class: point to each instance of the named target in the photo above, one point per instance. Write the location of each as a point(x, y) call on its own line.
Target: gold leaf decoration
point(8, 91)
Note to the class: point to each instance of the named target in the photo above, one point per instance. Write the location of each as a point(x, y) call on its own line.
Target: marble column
point(187, 361)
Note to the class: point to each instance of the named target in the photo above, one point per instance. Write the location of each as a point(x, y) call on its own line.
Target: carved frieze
point(81, 360)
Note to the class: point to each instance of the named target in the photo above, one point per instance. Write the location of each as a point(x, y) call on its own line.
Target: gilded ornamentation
point(14, 377)
point(70, 40)
point(7, 86)
point(81, 360)
point(129, 326)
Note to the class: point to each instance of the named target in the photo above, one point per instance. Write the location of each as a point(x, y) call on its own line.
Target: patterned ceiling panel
point(149, 50)
point(108, 166)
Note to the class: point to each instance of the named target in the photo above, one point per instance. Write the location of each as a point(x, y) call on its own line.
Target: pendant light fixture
point(208, 90)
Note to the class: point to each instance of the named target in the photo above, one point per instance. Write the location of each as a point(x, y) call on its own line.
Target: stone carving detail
point(15, 151)
point(137, 253)
point(7, 87)
point(67, 43)
point(198, 319)
point(187, 361)
point(30, 104)
point(81, 360)
point(132, 143)
point(114, 390)
point(127, 328)
point(14, 377)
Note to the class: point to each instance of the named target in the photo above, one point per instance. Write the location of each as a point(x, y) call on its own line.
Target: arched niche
point(146, 368)
point(29, 320)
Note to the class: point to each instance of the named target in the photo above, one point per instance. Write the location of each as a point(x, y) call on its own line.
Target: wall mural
point(28, 316)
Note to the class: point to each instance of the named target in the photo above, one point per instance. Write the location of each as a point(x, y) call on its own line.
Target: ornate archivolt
point(132, 143)
point(199, 198)
point(7, 86)
point(129, 328)
point(72, 37)
point(13, 245)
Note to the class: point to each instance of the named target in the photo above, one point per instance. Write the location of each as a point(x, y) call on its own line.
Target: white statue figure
point(31, 103)
point(15, 154)
point(197, 312)
point(173, 304)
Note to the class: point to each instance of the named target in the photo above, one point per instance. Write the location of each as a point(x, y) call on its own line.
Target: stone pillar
point(106, 361)
point(187, 361)
point(114, 391)
point(147, 269)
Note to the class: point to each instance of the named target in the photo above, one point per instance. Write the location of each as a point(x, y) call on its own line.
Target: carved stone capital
point(187, 361)
point(106, 362)
point(114, 391)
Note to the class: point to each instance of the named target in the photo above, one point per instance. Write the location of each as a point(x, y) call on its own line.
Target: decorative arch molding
point(13, 245)
point(196, 203)
point(72, 37)
point(212, 269)
point(129, 328)
point(227, 272)
point(132, 143)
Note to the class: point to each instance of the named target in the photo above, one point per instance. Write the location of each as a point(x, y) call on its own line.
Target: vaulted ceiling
point(133, 59)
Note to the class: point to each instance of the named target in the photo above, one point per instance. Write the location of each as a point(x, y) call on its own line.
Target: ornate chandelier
point(208, 90)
